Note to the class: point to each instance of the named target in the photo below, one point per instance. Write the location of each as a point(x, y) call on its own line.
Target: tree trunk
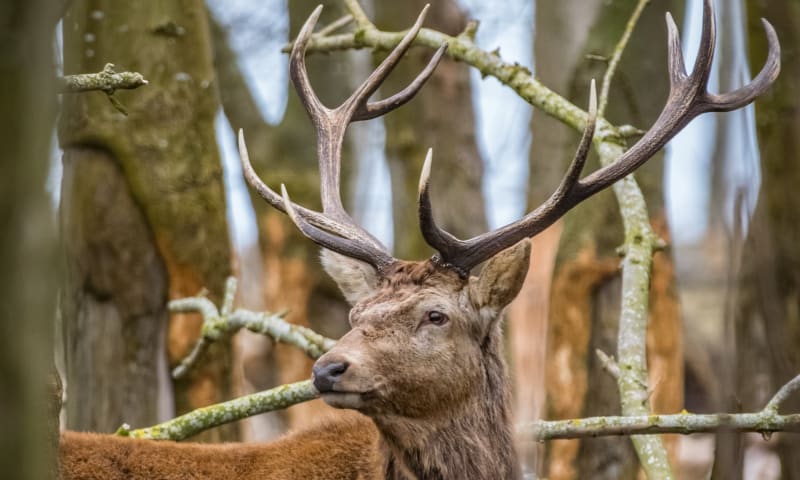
point(768, 317)
point(28, 251)
point(287, 154)
point(584, 297)
point(440, 117)
point(143, 212)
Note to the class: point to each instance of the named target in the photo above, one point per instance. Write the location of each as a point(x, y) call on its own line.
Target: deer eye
point(436, 318)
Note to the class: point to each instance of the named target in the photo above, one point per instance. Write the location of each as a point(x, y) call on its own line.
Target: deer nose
point(326, 374)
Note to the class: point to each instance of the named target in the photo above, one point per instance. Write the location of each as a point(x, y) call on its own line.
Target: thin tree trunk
point(584, 307)
point(28, 249)
point(440, 117)
point(144, 211)
point(768, 320)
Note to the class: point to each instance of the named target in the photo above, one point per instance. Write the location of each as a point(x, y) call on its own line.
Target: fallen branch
point(218, 324)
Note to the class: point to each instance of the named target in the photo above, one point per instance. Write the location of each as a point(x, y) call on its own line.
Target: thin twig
point(785, 391)
point(608, 363)
point(617, 55)
point(335, 26)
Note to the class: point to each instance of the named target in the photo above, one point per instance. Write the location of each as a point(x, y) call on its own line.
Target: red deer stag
point(423, 362)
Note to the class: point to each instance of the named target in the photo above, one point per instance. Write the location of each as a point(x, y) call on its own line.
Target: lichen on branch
point(212, 416)
point(107, 81)
point(227, 321)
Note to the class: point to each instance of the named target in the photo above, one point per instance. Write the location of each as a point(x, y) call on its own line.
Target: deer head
point(425, 339)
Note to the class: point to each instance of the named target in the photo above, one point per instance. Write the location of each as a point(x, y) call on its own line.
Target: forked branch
point(227, 321)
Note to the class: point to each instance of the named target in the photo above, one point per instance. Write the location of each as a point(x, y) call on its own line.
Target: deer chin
point(351, 400)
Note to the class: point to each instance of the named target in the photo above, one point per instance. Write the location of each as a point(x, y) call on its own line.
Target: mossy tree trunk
point(585, 291)
point(286, 153)
point(28, 249)
point(143, 212)
point(440, 117)
point(768, 316)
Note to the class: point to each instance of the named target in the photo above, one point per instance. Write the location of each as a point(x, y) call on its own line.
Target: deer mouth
point(352, 400)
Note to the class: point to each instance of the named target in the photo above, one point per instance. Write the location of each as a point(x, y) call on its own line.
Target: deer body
point(339, 450)
point(423, 361)
point(421, 425)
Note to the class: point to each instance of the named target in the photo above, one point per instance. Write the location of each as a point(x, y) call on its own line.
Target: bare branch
point(217, 325)
point(335, 25)
point(783, 394)
point(107, 81)
point(682, 423)
point(617, 55)
point(764, 422)
point(212, 416)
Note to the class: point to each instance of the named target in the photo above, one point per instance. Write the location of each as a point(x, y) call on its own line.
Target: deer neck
point(472, 440)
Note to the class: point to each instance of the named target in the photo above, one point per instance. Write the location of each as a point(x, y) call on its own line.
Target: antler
point(334, 229)
point(687, 99)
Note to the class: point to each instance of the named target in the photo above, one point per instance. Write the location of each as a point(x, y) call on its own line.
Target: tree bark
point(148, 222)
point(768, 317)
point(440, 117)
point(28, 248)
point(286, 153)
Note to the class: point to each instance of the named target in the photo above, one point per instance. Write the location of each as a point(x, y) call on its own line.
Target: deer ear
point(356, 279)
point(501, 279)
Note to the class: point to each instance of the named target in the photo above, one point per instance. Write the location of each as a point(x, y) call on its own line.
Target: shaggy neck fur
point(473, 441)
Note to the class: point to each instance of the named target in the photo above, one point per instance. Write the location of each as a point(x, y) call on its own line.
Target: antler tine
point(363, 251)
point(359, 98)
point(375, 109)
point(675, 65)
point(575, 168)
point(297, 68)
point(742, 96)
point(687, 99)
point(705, 52)
point(463, 255)
point(315, 218)
point(442, 241)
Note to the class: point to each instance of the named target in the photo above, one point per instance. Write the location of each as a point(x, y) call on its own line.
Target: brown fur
point(345, 449)
point(437, 393)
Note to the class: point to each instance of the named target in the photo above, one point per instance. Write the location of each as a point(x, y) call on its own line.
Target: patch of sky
point(502, 118)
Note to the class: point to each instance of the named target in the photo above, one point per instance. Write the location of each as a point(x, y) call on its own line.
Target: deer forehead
point(407, 303)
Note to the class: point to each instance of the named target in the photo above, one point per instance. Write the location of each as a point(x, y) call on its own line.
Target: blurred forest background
point(108, 216)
